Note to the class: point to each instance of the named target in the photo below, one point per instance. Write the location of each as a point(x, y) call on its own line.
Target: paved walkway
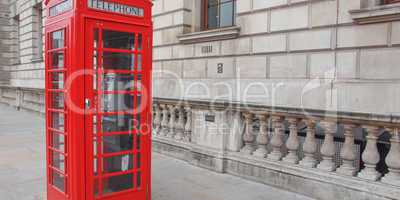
point(22, 169)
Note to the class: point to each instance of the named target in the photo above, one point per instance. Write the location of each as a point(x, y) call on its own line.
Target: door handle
point(87, 103)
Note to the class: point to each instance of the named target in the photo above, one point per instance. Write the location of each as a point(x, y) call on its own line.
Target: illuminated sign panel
point(115, 8)
point(61, 8)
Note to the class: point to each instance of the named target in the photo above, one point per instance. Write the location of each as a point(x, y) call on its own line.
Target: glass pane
point(117, 123)
point(58, 161)
point(58, 181)
point(138, 161)
point(138, 142)
point(117, 102)
point(120, 163)
point(57, 80)
point(117, 143)
point(118, 82)
point(118, 61)
point(213, 14)
point(57, 121)
point(226, 14)
point(118, 40)
point(139, 83)
point(57, 39)
point(57, 100)
point(58, 60)
point(139, 179)
point(139, 65)
point(117, 183)
point(140, 42)
point(58, 142)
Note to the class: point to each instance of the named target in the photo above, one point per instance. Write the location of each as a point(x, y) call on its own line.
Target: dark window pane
point(138, 142)
point(57, 100)
point(226, 14)
point(117, 102)
point(58, 181)
point(58, 141)
point(139, 179)
point(118, 163)
point(58, 60)
point(57, 80)
point(57, 39)
point(117, 123)
point(118, 40)
point(57, 121)
point(138, 161)
point(117, 183)
point(139, 65)
point(58, 161)
point(118, 61)
point(213, 16)
point(140, 42)
point(118, 82)
point(118, 143)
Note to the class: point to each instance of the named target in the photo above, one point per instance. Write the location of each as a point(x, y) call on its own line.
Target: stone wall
point(6, 43)
point(290, 53)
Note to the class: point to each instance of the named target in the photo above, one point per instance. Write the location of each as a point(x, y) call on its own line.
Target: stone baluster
point(347, 152)
point(157, 119)
point(393, 159)
point(188, 124)
point(371, 155)
point(180, 125)
point(292, 143)
point(309, 146)
point(172, 121)
point(328, 147)
point(276, 140)
point(164, 121)
point(248, 137)
point(262, 137)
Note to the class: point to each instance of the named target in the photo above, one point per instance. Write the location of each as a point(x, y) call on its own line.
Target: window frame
point(391, 1)
point(204, 15)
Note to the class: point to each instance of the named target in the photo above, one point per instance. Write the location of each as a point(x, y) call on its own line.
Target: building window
point(16, 43)
point(218, 14)
point(39, 31)
point(391, 1)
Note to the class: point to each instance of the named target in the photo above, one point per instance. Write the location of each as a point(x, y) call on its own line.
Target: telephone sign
point(98, 99)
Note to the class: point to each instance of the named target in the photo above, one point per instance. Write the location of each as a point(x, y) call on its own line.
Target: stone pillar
point(309, 146)
point(347, 152)
point(172, 120)
point(164, 121)
point(157, 120)
point(276, 140)
point(292, 143)
point(262, 137)
point(370, 155)
point(393, 159)
point(248, 137)
point(188, 124)
point(180, 125)
point(328, 147)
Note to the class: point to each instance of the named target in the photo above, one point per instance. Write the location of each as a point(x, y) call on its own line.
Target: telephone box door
point(117, 114)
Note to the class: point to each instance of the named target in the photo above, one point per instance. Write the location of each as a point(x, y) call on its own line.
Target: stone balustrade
point(344, 147)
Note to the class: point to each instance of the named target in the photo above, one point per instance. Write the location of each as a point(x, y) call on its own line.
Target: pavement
point(22, 169)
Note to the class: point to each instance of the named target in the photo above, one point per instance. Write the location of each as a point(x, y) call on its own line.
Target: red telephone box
point(98, 97)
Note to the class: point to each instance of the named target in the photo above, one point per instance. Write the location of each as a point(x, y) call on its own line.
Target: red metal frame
point(79, 130)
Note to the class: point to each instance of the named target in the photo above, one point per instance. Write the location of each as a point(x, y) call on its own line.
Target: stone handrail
point(173, 119)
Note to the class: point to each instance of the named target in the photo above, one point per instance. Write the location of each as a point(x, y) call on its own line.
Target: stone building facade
point(305, 93)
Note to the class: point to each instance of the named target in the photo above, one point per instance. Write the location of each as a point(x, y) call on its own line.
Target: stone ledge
point(311, 182)
point(376, 14)
point(211, 35)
